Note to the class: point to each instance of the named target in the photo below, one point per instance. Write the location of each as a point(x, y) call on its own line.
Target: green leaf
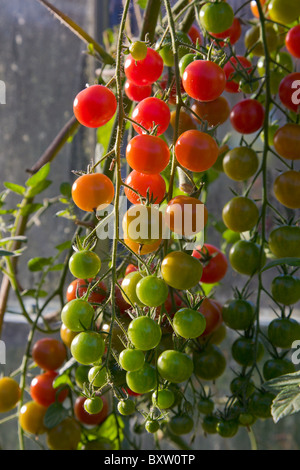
point(62, 380)
point(33, 293)
point(103, 135)
point(57, 267)
point(55, 414)
point(66, 190)
point(17, 238)
point(40, 187)
point(30, 209)
point(279, 262)
point(64, 246)
point(112, 428)
point(16, 188)
point(38, 264)
point(7, 253)
point(286, 403)
point(142, 3)
point(38, 176)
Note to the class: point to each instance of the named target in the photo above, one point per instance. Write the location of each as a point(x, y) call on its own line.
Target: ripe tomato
point(143, 224)
point(153, 186)
point(147, 154)
point(247, 116)
point(43, 392)
point(65, 436)
point(214, 112)
point(234, 70)
point(152, 291)
point(204, 80)
point(142, 249)
point(92, 191)
point(212, 313)
point(185, 123)
point(238, 314)
point(146, 71)
point(31, 418)
point(245, 351)
point(287, 91)
point(151, 112)
point(285, 289)
point(287, 141)
point(49, 353)
point(144, 333)
point(10, 394)
point(84, 264)
point(79, 287)
point(254, 9)
point(244, 257)
point(240, 163)
point(292, 41)
point(214, 263)
point(90, 419)
point(284, 241)
point(67, 335)
point(189, 323)
point(240, 214)
point(181, 424)
point(87, 347)
point(216, 17)
point(94, 106)
point(189, 267)
point(77, 315)
point(186, 215)
point(196, 150)
point(233, 33)
point(131, 268)
point(195, 34)
point(137, 93)
point(284, 11)
point(276, 367)
point(174, 366)
point(282, 332)
point(143, 380)
point(287, 189)
point(210, 363)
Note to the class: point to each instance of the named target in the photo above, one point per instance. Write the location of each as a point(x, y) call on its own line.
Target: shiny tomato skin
point(284, 241)
point(196, 151)
point(49, 353)
point(292, 41)
point(240, 163)
point(288, 91)
point(10, 394)
point(144, 333)
point(92, 191)
point(195, 34)
point(155, 185)
point(282, 332)
point(186, 215)
point(143, 380)
point(31, 418)
point(151, 112)
point(84, 264)
point(216, 17)
point(190, 270)
point(204, 80)
point(244, 257)
point(285, 289)
point(240, 214)
point(254, 9)
point(214, 262)
point(137, 93)
point(215, 112)
point(287, 141)
point(146, 71)
point(85, 418)
point(233, 33)
point(287, 189)
point(284, 11)
point(174, 366)
point(43, 392)
point(147, 154)
point(95, 106)
point(80, 287)
point(212, 313)
point(247, 116)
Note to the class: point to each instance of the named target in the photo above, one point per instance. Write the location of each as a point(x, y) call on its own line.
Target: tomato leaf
point(286, 403)
point(38, 188)
point(112, 429)
point(278, 384)
point(39, 176)
point(30, 208)
point(55, 414)
point(64, 246)
point(38, 264)
point(142, 4)
point(281, 261)
point(7, 253)
point(17, 238)
point(16, 188)
point(33, 293)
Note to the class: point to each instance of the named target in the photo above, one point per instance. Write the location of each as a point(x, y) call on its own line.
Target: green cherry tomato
point(227, 428)
point(143, 380)
point(128, 285)
point(77, 315)
point(240, 214)
point(284, 11)
point(163, 398)
point(151, 426)
point(242, 387)
point(81, 375)
point(97, 376)
point(245, 352)
point(216, 17)
point(260, 404)
point(276, 367)
point(138, 50)
point(286, 289)
point(282, 332)
point(144, 333)
point(210, 363)
point(240, 163)
point(186, 60)
point(189, 323)
point(152, 291)
point(284, 241)
point(238, 314)
point(87, 347)
point(84, 264)
point(206, 406)
point(209, 424)
point(175, 366)
point(245, 257)
point(166, 53)
point(181, 424)
point(126, 407)
point(93, 405)
point(180, 270)
point(246, 419)
point(131, 359)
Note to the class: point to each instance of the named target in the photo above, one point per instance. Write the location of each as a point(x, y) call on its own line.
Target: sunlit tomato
point(121, 303)
point(233, 33)
point(284, 241)
point(287, 141)
point(92, 191)
point(240, 214)
point(147, 154)
point(146, 71)
point(185, 121)
point(210, 363)
point(214, 263)
point(247, 116)
point(214, 112)
point(31, 418)
point(142, 249)
point(289, 91)
point(195, 34)
point(136, 92)
point(189, 323)
point(204, 80)
point(292, 41)
point(10, 394)
point(138, 50)
point(143, 380)
point(163, 399)
point(234, 70)
point(43, 392)
point(216, 17)
point(254, 43)
point(79, 287)
point(49, 353)
point(65, 436)
point(284, 11)
point(152, 291)
point(151, 112)
point(186, 215)
point(131, 359)
point(287, 189)
point(90, 419)
point(212, 313)
point(130, 268)
point(128, 285)
point(240, 163)
point(87, 347)
point(95, 106)
point(153, 186)
point(189, 267)
point(67, 335)
point(254, 9)
point(84, 264)
point(174, 366)
point(143, 224)
point(77, 315)
point(144, 333)
point(245, 257)
point(196, 150)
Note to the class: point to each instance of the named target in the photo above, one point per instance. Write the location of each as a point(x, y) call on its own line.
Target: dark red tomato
point(195, 34)
point(90, 419)
point(147, 154)
point(130, 268)
point(49, 353)
point(172, 305)
point(289, 91)
point(131, 393)
point(214, 112)
point(204, 80)
point(43, 392)
point(120, 301)
point(247, 116)
point(136, 92)
point(214, 263)
point(154, 185)
point(292, 41)
point(151, 112)
point(146, 71)
point(79, 287)
point(233, 33)
point(94, 106)
point(213, 315)
point(234, 70)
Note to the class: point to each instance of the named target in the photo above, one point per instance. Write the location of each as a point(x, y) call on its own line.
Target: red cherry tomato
point(154, 184)
point(214, 263)
point(196, 150)
point(146, 71)
point(49, 353)
point(234, 69)
point(247, 116)
point(80, 286)
point(120, 301)
point(151, 112)
point(194, 33)
point(147, 154)
point(90, 419)
point(292, 41)
point(95, 106)
point(204, 80)
point(233, 33)
point(42, 390)
point(131, 268)
point(136, 92)
point(289, 91)
point(213, 315)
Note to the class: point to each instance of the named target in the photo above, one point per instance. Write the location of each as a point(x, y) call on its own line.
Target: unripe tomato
point(181, 424)
point(87, 347)
point(213, 112)
point(189, 267)
point(84, 264)
point(144, 333)
point(245, 351)
point(282, 332)
point(260, 404)
point(175, 366)
point(210, 363)
point(163, 399)
point(138, 50)
point(245, 257)
point(77, 315)
point(240, 163)
point(131, 359)
point(238, 314)
point(276, 367)
point(126, 407)
point(227, 428)
point(97, 376)
point(95, 106)
point(93, 405)
point(152, 291)
point(143, 380)
point(286, 289)
point(240, 214)
point(189, 323)
point(216, 17)
point(284, 241)
point(90, 419)
point(128, 285)
point(254, 42)
point(284, 11)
